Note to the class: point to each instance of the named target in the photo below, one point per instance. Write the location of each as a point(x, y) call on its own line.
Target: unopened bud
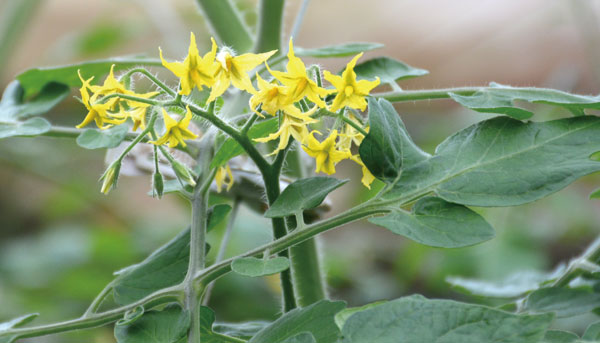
point(183, 173)
point(158, 184)
point(110, 177)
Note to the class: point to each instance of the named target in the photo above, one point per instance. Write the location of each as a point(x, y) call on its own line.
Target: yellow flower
point(350, 135)
point(96, 112)
point(176, 132)
point(325, 153)
point(298, 82)
point(234, 70)
point(110, 86)
point(137, 115)
point(367, 177)
point(272, 96)
point(351, 92)
point(291, 125)
point(224, 176)
point(195, 70)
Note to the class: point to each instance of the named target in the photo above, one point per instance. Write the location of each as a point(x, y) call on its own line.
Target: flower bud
point(158, 185)
point(183, 173)
point(110, 177)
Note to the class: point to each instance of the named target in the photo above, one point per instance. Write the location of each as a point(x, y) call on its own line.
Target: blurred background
point(61, 240)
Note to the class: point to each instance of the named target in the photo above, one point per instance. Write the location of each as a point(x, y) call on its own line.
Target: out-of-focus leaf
point(505, 162)
point(15, 323)
point(30, 127)
point(595, 194)
point(389, 70)
point(592, 333)
point(438, 223)
point(14, 106)
point(343, 315)
point(302, 337)
point(556, 336)
point(216, 214)
point(98, 139)
point(102, 37)
point(417, 319)
point(340, 50)
point(254, 267)
point(33, 80)
point(500, 99)
point(302, 195)
point(243, 330)
point(169, 325)
point(565, 302)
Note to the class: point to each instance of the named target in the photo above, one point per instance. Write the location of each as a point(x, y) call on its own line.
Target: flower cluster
point(294, 95)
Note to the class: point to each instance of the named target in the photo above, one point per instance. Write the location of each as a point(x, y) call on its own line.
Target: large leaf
point(416, 319)
point(565, 302)
point(592, 333)
point(254, 267)
point(14, 105)
point(555, 336)
point(34, 79)
point(318, 319)
point(340, 50)
point(29, 127)
point(500, 99)
point(167, 326)
point(302, 195)
point(230, 148)
point(302, 337)
point(165, 267)
point(438, 223)
point(99, 139)
point(389, 70)
point(505, 162)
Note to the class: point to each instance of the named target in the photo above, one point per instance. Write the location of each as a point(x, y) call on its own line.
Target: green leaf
point(556, 336)
point(340, 50)
point(254, 267)
point(302, 195)
point(30, 127)
point(98, 139)
point(565, 302)
point(231, 148)
point(505, 162)
point(343, 315)
point(302, 337)
point(243, 330)
point(389, 70)
point(34, 79)
point(14, 106)
point(438, 223)
point(167, 326)
point(318, 319)
point(387, 147)
point(216, 214)
point(595, 194)
point(207, 319)
point(500, 99)
point(131, 316)
point(15, 323)
point(165, 267)
point(592, 333)
point(417, 319)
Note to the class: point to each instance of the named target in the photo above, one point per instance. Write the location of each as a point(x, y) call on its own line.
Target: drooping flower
point(291, 125)
point(223, 176)
point(298, 82)
point(195, 71)
point(367, 177)
point(350, 135)
point(272, 96)
point(98, 112)
point(234, 70)
point(325, 152)
point(176, 132)
point(351, 92)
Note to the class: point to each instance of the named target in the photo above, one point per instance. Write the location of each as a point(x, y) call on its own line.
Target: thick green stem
point(306, 272)
point(269, 25)
point(226, 24)
point(427, 94)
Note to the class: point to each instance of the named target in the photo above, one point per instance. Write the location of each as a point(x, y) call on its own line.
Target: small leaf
point(318, 319)
point(387, 69)
point(340, 50)
point(592, 333)
point(34, 79)
point(216, 214)
point(254, 267)
point(230, 148)
point(438, 223)
point(302, 195)
point(556, 336)
point(30, 127)
point(131, 316)
point(595, 194)
point(565, 302)
point(243, 330)
point(98, 139)
point(13, 105)
point(500, 99)
point(167, 326)
point(417, 319)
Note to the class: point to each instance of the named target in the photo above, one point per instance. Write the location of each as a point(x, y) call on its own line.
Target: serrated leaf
point(30, 127)
point(592, 333)
point(167, 326)
point(389, 70)
point(231, 148)
point(99, 139)
point(243, 330)
point(556, 336)
point(565, 302)
point(340, 50)
point(438, 223)
point(302, 195)
point(387, 147)
point(500, 99)
point(505, 162)
point(34, 79)
point(417, 319)
point(216, 214)
point(254, 267)
point(318, 319)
